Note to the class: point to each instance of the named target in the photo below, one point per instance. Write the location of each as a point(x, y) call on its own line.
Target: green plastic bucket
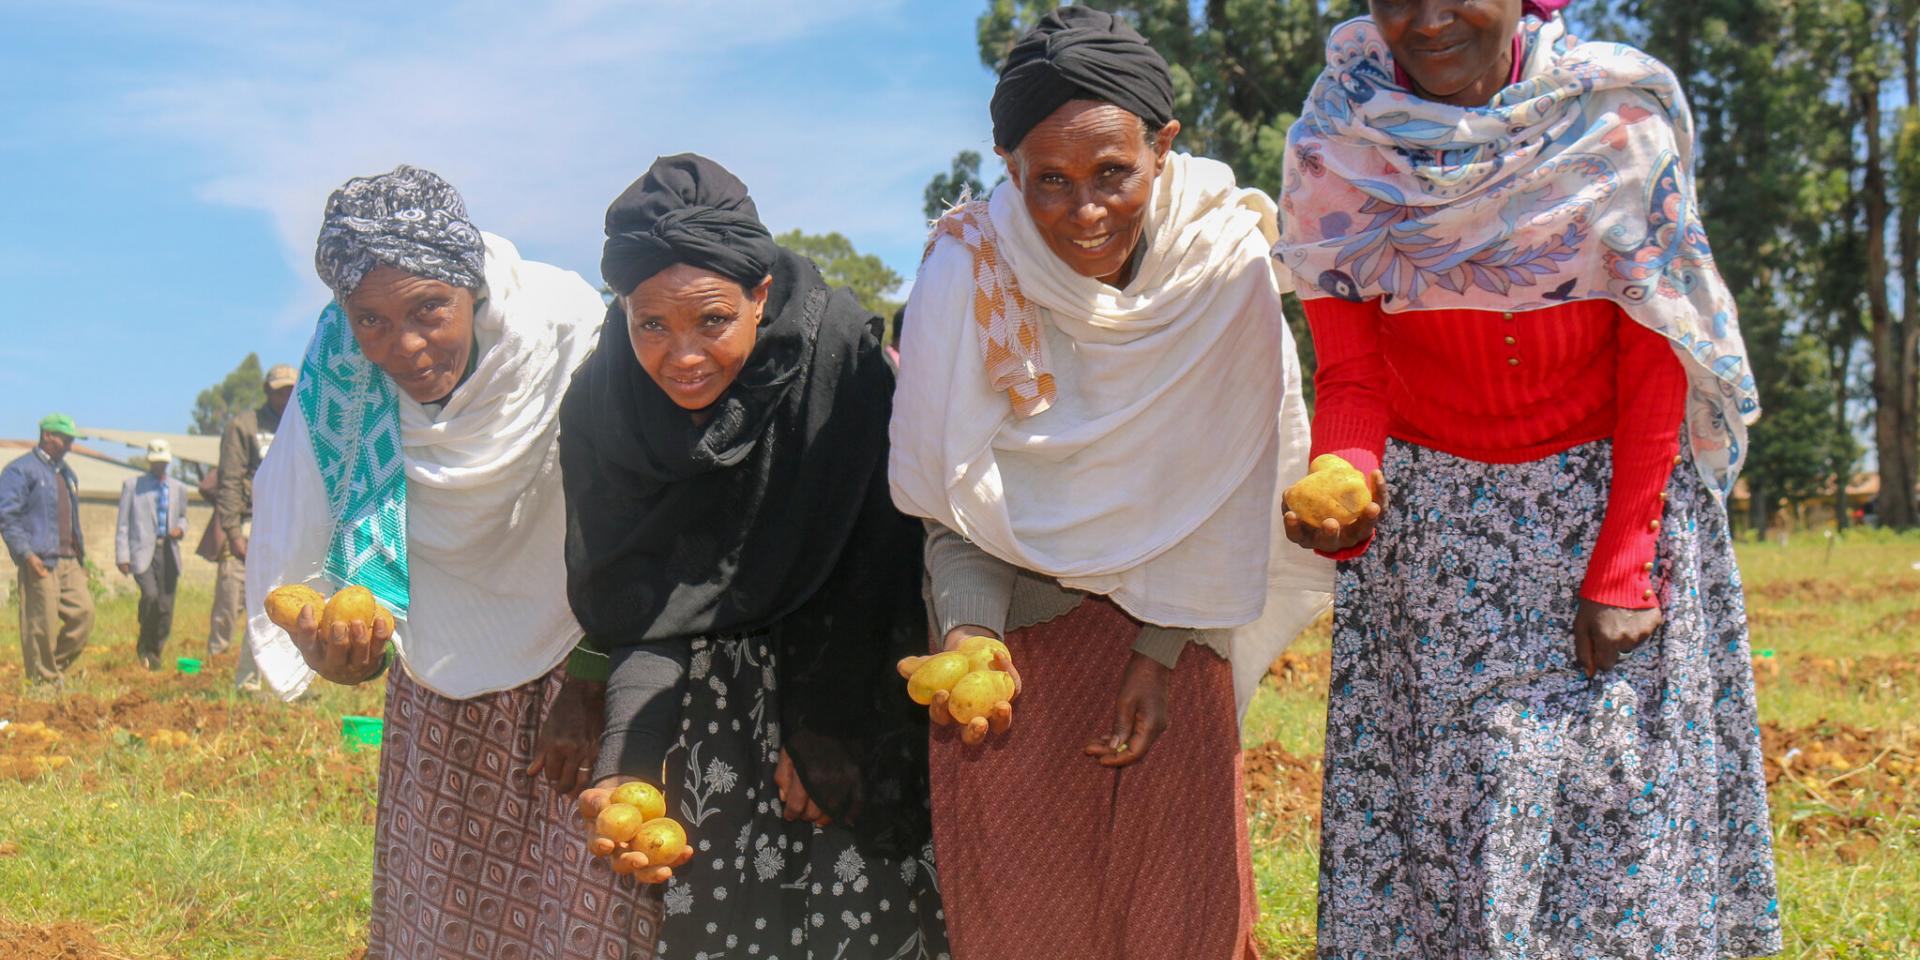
point(361, 732)
point(187, 665)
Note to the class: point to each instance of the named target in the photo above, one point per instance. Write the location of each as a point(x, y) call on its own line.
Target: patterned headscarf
point(410, 219)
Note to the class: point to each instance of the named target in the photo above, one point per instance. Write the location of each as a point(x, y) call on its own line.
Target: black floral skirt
point(759, 886)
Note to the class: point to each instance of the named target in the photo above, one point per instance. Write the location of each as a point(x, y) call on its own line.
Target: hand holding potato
point(973, 683)
point(1334, 508)
point(629, 824)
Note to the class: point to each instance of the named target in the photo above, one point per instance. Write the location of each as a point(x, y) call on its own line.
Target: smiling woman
point(731, 546)
point(417, 329)
point(1097, 392)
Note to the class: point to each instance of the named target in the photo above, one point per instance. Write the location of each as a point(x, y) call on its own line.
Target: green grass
point(256, 840)
point(253, 841)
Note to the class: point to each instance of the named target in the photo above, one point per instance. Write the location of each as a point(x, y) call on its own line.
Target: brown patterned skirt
point(475, 859)
point(1043, 853)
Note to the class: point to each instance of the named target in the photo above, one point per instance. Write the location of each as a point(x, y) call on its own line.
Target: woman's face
point(692, 331)
point(1457, 51)
point(1086, 174)
point(419, 331)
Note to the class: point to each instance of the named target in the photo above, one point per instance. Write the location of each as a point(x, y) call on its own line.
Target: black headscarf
point(1079, 53)
point(687, 209)
point(774, 515)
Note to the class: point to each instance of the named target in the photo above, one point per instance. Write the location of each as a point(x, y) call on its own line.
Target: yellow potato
point(1333, 489)
point(352, 605)
point(285, 603)
point(940, 672)
point(661, 839)
point(643, 796)
point(618, 822)
point(976, 694)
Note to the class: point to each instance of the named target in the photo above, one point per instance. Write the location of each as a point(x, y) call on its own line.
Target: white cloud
point(541, 113)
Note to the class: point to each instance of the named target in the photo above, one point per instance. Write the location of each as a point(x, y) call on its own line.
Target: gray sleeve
point(970, 586)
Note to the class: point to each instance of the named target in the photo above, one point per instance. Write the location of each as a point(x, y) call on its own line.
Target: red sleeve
point(1349, 387)
point(1651, 401)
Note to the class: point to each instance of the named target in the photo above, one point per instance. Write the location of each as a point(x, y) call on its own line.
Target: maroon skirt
point(472, 857)
point(1044, 853)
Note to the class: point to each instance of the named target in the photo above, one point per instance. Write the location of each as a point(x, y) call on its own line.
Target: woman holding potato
point(732, 548)
point(1097, 393)
point(417, 465)
point(1541, 737)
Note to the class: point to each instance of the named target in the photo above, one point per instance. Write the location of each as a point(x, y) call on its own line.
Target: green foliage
point(866, 275)
point(1794, 457)
point(243, 389)
point(946, 189)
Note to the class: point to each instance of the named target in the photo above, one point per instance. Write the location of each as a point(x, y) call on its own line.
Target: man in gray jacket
point(146, 544)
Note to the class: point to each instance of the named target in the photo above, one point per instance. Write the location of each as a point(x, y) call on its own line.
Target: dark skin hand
point(1331, 536)
point(348, 654)
point(1458, 52)
point(1140, 714)
point(1603, 634)
point(570, 736)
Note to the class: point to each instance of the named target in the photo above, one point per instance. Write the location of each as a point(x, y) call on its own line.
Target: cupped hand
point(569, 738)
point(996, 722)
point(630, 863)
point(345, 653)
point(1140, 714)
point(1602, 634)
point(1331, 536)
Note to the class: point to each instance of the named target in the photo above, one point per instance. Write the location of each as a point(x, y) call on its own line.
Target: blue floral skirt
point(1484, 799)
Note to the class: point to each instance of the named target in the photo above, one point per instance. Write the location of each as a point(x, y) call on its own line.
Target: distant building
point(100, 479)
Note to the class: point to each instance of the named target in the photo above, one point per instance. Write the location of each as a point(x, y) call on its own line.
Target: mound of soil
point(61, 941)
point(1282, 784)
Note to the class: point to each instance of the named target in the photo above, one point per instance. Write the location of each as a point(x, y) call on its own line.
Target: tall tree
point(866, 275)
point(946, 189)
point(240, 390)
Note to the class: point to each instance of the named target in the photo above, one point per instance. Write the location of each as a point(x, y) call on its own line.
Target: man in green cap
point(40, 522)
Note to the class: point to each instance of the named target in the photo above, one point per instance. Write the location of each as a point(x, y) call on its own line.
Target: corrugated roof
point(99, 474)
point(186, 446)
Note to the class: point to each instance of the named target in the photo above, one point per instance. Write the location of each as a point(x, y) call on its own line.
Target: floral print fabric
point(759, 886)
point(1574, 184)
point(1484, 799)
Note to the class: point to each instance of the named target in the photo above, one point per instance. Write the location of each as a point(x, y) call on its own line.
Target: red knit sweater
point(1510, 388)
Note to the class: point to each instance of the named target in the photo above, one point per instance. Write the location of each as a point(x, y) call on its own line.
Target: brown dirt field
point(1282, 784)
point(1827, 591)
point(1847, 787)
point(1302, 669)
point(1841, 674)
point(61, 941)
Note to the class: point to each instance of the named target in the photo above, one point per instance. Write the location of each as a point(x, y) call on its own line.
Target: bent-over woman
point(732, 548)
point(418, 459)
point(1097, 393)
point(1541, 738)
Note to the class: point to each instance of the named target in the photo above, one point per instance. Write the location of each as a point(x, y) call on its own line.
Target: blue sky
point(166, 161)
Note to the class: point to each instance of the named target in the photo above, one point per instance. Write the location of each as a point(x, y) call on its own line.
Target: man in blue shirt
point(40, 523)
point(146, 544)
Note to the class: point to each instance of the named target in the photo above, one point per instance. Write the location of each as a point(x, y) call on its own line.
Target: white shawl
point(1154, 475)
point(486, 515)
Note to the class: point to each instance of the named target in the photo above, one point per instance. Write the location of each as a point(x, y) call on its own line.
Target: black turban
point(686, 209)
point(1079, 53)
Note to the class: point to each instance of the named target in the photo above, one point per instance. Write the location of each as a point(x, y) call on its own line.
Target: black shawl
point(773, 516)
